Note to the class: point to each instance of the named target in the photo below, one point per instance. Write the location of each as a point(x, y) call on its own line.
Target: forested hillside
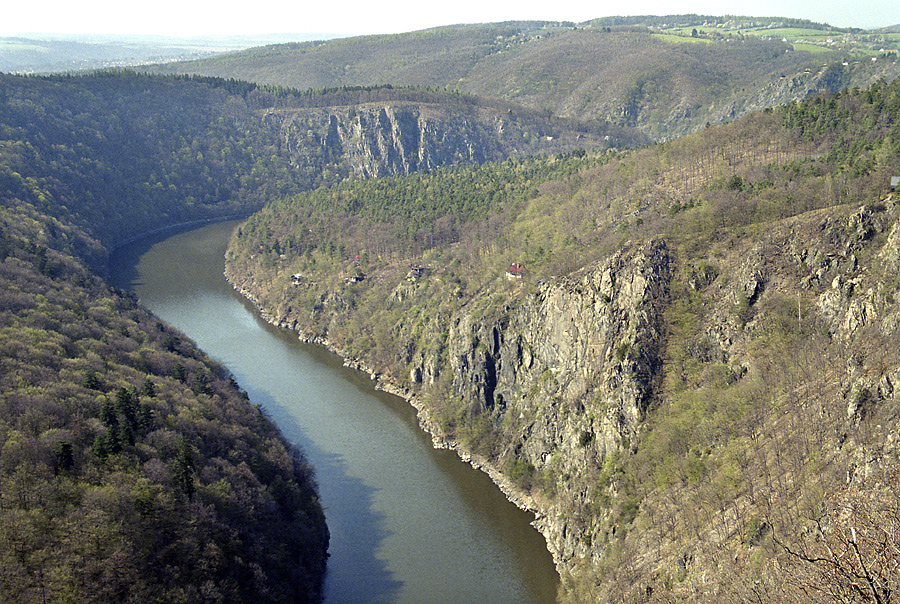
point(120, 154)
point(666, 76)
point(132, 468)
point(679, 357)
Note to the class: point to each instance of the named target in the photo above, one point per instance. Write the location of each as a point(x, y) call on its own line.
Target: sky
point(352, 17)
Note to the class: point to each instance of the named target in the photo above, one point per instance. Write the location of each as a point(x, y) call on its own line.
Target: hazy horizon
point(193, 19)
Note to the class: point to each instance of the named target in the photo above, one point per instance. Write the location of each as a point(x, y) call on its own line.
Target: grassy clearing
point(797, 34)
point(813, 48)
point(681, 39)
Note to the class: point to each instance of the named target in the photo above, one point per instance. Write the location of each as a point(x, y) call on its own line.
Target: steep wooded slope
point(132, 469)
point(678, 358)
point(628, 75)
point(121, 154)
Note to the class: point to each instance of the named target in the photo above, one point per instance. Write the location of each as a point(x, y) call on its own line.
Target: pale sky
point(202, 17)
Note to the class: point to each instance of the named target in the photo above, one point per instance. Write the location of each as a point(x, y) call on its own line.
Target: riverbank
point(385, 383)
point(409, 523)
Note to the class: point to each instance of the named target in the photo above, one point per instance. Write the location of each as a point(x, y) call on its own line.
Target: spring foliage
point(132, 468)
point(740, 440)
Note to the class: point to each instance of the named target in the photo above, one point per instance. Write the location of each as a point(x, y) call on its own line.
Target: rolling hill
point(651, 73)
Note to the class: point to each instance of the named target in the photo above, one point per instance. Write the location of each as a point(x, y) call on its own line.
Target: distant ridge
point(666, 75)
point(54, 53)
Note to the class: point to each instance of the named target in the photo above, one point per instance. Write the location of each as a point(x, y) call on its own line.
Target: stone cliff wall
point(566, 377)
point(383, 139)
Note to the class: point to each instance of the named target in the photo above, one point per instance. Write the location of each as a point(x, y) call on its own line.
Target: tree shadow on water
point(354, 572)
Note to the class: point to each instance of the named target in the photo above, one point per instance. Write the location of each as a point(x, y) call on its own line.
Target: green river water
point(409, 524)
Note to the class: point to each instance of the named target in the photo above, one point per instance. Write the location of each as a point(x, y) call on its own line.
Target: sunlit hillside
point(665, 75)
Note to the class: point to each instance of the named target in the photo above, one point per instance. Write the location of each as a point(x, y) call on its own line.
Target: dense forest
point(764, 417)
point(132, 467)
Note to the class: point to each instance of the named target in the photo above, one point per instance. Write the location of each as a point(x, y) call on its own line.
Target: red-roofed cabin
point(514, 271)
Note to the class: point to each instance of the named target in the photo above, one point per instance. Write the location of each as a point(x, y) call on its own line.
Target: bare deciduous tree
point(850, 552)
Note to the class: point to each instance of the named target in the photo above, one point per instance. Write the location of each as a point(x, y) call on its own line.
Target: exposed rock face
point(566, 376)
point(594, 333)
point(389, 138)
point(400, 140)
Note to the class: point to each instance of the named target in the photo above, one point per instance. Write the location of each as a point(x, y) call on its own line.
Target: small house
point(514, 271)
point(895, 183)
point(416, 272)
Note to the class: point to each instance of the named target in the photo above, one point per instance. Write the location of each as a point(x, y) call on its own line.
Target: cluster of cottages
point(416, 272)
point(513, 272)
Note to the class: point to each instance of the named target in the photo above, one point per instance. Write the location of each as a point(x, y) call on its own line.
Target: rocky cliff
point(551, 388)
point(400, 137)
point(565, 376)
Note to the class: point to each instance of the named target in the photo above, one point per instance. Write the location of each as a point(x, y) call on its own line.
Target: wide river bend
point(409, 524)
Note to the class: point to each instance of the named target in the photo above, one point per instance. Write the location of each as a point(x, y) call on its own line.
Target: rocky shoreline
point(515, 495)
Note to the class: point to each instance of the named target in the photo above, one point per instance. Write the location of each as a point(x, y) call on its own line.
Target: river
point(409, 524)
